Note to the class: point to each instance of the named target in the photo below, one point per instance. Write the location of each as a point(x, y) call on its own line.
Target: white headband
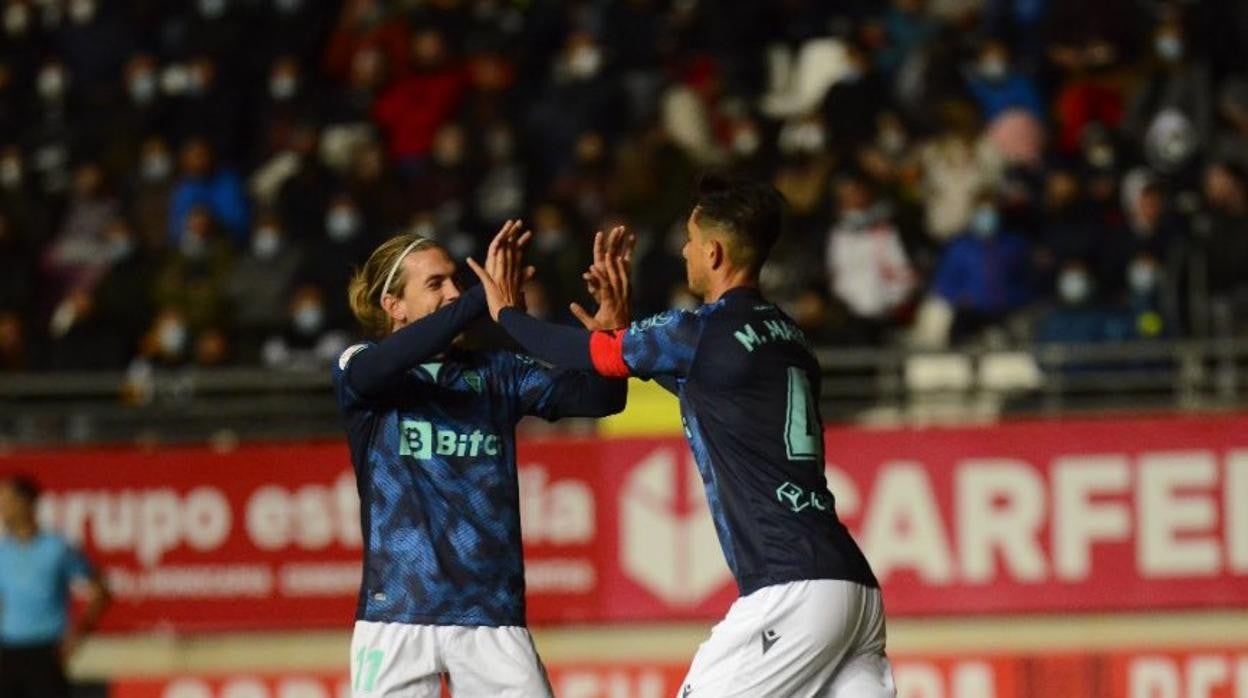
point(394, 269)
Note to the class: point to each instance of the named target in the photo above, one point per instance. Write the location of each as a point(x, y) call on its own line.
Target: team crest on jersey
point(474, 381)
point(350, 351)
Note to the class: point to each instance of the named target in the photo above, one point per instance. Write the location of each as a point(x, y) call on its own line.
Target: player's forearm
point(584, 394)
point(373, 371)
point(559, 345)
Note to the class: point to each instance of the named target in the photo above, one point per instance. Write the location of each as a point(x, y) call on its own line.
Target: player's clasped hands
point(504, 273)
point(607, 279)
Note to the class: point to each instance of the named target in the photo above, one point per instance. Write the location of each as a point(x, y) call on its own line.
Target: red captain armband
point(606, 350)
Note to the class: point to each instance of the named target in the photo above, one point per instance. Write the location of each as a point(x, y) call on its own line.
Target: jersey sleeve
point(347, 398)
point(553, 393)
point(660, 345)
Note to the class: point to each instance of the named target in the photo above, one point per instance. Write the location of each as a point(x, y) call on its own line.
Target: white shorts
point(820, 638)
point(399, 660)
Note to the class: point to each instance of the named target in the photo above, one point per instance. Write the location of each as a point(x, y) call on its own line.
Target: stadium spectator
point(305, 338)
point(303, 188)
point(371, 181)
point(205, 184)
point(559, 253)
point(193, 278)
point(206, 105)
point(1178, 90)
point(259, 286)
point(453, 117)
point(954, 166)
point(414, 107)
point(78, 255)
point(1231, 141)
point(341, 235)
point(1150, 299)
point(151, 189)
point(1079, 316)
point(985, 273)
point(367, 26)
point(999, 87)
point(97, 326)
point(868, 269)
point(1222, 250)
point(1152, 228)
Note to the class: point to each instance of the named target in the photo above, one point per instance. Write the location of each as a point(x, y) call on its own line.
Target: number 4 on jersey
point(803, 435)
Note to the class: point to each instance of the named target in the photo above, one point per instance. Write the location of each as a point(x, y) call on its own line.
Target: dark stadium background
point(1018, 238)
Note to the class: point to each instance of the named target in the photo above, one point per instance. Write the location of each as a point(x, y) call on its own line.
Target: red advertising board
point(1192, 673)
point(1126, 514)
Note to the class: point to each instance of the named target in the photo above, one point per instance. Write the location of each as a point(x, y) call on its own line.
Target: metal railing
point(859, 385)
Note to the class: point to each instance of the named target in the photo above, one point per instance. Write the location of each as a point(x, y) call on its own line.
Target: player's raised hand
point(607, 281)
point(504, 272)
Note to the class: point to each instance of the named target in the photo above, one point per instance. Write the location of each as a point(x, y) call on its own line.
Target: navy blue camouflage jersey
point(435, 463)
point(749, 392)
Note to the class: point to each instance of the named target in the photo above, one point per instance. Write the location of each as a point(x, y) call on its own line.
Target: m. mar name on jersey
point(773, 331)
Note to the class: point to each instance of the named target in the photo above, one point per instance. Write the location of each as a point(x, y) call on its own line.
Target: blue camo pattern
point(442, 533)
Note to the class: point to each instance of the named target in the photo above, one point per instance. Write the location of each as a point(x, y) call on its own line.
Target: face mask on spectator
point(857, 218)
point(805, 137)
point(51, 82)
point(120, 248)
point(984, 222)
point(174, 79)
point(196, 81)
point(308, 319)
point(266, 243)
point(1142, 277)
point(10, 173)
point(156, 167)
point(283, 87)
point(342, 223)
point(143, 87)
point(172, 338)
point(1169, 47)
point(193, 246)
point(500, 146)
point(585, 61)
point(992, 67)
point(1073, 287)
point(892, 141)
point(63, 318)
point(212, 9)
point(426, 229)
point(745, 141)
point(16, 19)
point(1101, 156)
point(82, 11)
point(550, 240)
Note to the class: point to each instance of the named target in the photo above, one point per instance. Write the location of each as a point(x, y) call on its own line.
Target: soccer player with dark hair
point(37, 569)
point(431, 429)
point(810, 620)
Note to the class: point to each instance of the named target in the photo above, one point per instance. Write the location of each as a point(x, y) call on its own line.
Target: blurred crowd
point(190, 183)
